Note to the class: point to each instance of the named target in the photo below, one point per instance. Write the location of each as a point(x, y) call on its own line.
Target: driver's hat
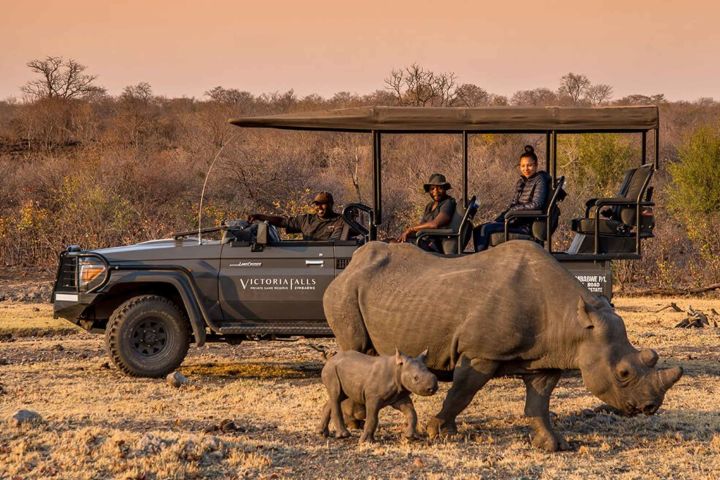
point(323, 197)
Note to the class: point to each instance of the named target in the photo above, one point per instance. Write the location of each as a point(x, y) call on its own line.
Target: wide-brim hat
point(439, 180)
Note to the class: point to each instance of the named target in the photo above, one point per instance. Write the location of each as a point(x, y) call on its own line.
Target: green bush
point(596, 160)
point(695, 190)
point(695, 194)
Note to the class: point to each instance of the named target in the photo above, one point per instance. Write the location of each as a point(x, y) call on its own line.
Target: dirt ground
point(250, 411)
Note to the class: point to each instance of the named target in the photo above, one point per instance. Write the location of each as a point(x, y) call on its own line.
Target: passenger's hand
point(404, 236)
point(252, 218)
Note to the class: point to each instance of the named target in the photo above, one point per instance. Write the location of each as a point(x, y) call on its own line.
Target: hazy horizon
point(183, 48)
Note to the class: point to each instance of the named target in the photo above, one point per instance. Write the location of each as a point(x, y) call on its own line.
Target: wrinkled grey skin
point(365, 384)
point(513, 310)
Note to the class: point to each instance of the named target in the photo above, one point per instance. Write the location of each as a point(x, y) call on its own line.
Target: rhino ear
point(583, 314)
point(648, 357)
point(398, 357)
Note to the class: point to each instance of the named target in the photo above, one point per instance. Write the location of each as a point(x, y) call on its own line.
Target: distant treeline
point(84, 167)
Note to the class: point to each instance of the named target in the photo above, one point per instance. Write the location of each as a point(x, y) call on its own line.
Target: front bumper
point(68, 301)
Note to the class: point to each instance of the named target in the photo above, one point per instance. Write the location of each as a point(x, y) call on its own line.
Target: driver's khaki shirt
point(313, 227)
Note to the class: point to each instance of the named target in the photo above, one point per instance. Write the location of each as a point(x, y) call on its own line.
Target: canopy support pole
point(547, 152)
point(553, 157)
point(657, 146)
point(377, 184)
point(465, 168)
point(644, 148)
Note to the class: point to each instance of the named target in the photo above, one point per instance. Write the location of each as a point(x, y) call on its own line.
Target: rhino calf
point(373, 383)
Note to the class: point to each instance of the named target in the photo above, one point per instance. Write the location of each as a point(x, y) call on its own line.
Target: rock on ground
point(176, 379)
point(25, 416)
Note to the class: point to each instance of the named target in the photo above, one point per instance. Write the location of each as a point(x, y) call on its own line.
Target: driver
point(324, 224)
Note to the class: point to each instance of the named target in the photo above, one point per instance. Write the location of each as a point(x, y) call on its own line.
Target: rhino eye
point(623, 373)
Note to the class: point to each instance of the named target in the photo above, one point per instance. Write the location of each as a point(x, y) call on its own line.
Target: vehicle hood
point(165, 249)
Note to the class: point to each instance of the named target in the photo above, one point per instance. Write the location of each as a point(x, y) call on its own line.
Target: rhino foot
point(437, 427)
point(342, 434)
point(367, 438)
point(323, 432)
point(550, 442)
point(411, 436)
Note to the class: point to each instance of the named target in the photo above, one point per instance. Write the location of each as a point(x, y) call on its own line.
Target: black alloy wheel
point(147, 336)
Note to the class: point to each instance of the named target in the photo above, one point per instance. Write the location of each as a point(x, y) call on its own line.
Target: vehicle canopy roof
point(464, 119)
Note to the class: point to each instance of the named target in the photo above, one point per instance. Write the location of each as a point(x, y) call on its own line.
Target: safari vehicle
point(154, 298)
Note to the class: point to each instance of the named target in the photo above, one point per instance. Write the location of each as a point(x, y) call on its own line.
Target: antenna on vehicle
point(207, 175)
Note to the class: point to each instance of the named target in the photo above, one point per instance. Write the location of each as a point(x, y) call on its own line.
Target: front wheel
point(147, 336)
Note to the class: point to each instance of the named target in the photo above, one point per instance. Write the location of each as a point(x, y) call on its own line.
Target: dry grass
point(98, 423)
point(24, 319)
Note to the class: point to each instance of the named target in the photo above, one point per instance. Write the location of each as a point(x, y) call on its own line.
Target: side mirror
point(261, 237)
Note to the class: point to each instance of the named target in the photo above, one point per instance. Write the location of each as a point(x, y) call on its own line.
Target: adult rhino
point(513, 310)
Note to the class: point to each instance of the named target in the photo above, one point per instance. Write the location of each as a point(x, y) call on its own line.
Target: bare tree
point(536, 97)
point(498, 100)
point(230, 96)
point(469, 95)
point(573, 87)
point(599, 94)
point(142, 91)
point(638, 99)
point(60, 78)
point(416, 86)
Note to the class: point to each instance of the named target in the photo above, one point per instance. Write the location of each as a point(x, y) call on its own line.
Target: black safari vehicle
point(154, 298)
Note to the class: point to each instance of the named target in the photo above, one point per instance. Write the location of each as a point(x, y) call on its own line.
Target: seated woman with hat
point(438, 213)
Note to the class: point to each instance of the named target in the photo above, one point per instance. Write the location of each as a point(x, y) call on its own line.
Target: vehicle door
point(278, 281)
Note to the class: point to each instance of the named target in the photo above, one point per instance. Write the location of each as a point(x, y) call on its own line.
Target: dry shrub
point(120, 170)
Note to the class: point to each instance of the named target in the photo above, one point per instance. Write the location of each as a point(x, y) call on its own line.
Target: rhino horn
point(669, 376)
point(649, 357)
point(423, 356)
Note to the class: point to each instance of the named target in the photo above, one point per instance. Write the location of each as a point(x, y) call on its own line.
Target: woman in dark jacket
point(531, 193)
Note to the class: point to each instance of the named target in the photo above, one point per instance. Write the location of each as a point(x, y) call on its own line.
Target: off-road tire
point(169, 336)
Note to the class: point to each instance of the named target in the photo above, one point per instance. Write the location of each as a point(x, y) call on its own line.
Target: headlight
point(92, 272)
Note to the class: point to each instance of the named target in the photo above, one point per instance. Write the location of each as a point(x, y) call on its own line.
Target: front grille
point(67, 275)
point(341, 263)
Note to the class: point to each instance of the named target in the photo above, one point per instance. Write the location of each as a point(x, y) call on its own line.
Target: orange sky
point(317, 46)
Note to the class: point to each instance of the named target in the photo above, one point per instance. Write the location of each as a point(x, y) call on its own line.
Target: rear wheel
point(147, 336)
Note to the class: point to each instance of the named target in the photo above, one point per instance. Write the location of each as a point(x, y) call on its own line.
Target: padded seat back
point(635, 188)
point(539, 226)
point(462, 225)
point(618, 220)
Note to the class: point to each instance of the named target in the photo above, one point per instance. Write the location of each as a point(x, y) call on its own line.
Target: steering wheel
point(351, 212)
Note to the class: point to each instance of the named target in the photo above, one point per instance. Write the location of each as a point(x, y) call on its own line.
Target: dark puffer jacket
point(531, 193)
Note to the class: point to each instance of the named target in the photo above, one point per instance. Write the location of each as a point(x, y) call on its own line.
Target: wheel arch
point(172, 285)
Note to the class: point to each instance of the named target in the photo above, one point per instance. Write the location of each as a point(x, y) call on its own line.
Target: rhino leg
point(537, 409)
point(405, 405)
point(353, 414)
point(335, 396)
point(372, 408)
point(325, 421)
point(469, 377)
